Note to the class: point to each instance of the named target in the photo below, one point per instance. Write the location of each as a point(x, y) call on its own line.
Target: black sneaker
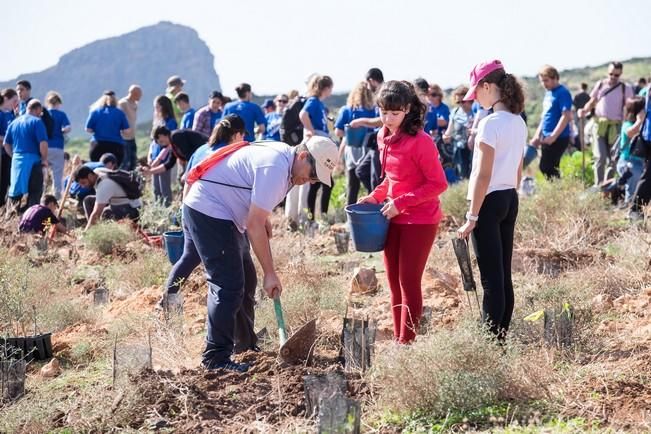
point(254, 348)
point(228, 365)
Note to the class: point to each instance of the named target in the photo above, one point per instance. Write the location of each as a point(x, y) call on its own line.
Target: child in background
point(633, 111)
point(182, 101)
point(159, 154)
point(39, 217)
point(413, 181)
point(55, 143)
point(314, 117)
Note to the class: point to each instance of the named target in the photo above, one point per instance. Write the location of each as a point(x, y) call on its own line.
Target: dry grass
point(455, 370)
point(563, 216)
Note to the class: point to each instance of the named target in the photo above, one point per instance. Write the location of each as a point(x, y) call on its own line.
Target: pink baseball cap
point(480, 71)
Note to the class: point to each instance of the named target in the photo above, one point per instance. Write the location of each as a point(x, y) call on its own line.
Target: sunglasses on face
point(434, 95)
point(282, 101)
point(612, 74)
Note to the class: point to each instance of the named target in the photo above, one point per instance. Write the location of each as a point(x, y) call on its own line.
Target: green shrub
point(572, 167)
point(107, 236)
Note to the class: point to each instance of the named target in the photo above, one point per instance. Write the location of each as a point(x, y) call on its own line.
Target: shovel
point(463, 257)
point(299, 345)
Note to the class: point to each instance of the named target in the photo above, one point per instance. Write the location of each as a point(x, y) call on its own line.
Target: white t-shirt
point(257, 174)
point(507, 134)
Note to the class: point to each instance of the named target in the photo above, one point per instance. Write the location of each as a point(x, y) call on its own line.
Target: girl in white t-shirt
point(496, 172)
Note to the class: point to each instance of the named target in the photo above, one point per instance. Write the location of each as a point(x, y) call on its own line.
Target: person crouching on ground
point(231, 192)
point(413, 181)
point(110, 200)
point(496, 171)
point(228, 130)
point(39, 217)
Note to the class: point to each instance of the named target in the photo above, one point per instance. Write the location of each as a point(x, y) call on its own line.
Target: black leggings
point(5, 177)
point(550, 158)
point(325, 198)
point(493, 242)
point(353, 184)
point(100, 148)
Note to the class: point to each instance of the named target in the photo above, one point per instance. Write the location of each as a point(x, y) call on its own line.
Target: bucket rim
point(349, 209)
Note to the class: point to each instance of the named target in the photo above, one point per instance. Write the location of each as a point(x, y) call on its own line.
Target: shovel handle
point(282, 331)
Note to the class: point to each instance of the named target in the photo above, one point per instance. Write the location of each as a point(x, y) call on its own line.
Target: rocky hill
point(147, 56)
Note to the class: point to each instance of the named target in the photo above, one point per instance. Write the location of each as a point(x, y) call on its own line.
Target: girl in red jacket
point(413, 181)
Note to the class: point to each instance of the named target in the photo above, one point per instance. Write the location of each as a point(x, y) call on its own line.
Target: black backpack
point(131, 182)
point(291, 127)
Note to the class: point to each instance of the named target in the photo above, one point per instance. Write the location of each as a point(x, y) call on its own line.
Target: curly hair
point(361, 96)
point(400, 95)
point(511, 90)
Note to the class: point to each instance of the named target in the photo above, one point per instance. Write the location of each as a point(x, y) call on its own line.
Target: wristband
point(472, 218)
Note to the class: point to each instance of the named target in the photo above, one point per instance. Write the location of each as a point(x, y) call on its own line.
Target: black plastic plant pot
point(30, 348)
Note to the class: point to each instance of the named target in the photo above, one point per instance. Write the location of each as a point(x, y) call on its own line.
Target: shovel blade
point(299, 345)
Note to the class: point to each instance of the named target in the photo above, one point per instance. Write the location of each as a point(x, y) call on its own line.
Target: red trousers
point(405, 256)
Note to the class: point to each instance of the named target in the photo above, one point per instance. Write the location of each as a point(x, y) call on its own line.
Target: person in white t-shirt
point(495, 176)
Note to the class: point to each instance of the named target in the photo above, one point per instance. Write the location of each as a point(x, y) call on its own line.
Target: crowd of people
point(399, 140)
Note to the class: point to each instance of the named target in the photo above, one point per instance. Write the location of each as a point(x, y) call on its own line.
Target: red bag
point(200, 169)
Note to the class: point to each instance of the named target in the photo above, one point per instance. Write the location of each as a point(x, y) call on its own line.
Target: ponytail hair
point(226, 129)
point(511, 90)
point(318, 84)
point(401, 95)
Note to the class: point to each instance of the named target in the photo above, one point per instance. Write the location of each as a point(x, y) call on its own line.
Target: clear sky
point(275, 45)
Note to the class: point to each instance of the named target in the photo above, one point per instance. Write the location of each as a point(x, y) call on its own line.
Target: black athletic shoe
point(228, 365)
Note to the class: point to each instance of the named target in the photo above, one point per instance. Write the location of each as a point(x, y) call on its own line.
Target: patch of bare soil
point(551, 262)
point(442, 296)
point(616, 388)
point(198, 400)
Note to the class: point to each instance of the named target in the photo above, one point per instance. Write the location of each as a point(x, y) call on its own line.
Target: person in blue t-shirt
point(8, 105)
point(359, 105)
point(438, 113)
point(56, 142)
point(274, 117)
point(182, 101)
point(553, 133)
point(26, 142)
point(106, 122)
point(24, 90)
point(159, 154)
point(251, 113)
point(314, 117)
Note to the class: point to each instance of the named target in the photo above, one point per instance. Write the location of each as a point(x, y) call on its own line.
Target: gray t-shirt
point(110, 192)
point(257, 174)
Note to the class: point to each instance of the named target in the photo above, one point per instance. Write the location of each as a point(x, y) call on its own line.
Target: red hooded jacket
point(413, 177)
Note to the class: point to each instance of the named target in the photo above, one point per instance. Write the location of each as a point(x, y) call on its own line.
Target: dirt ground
point(611, 384)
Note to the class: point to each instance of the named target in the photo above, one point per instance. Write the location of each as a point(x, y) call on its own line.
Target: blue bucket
point(368, 226)
point(173, 245)
point(355, 136)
